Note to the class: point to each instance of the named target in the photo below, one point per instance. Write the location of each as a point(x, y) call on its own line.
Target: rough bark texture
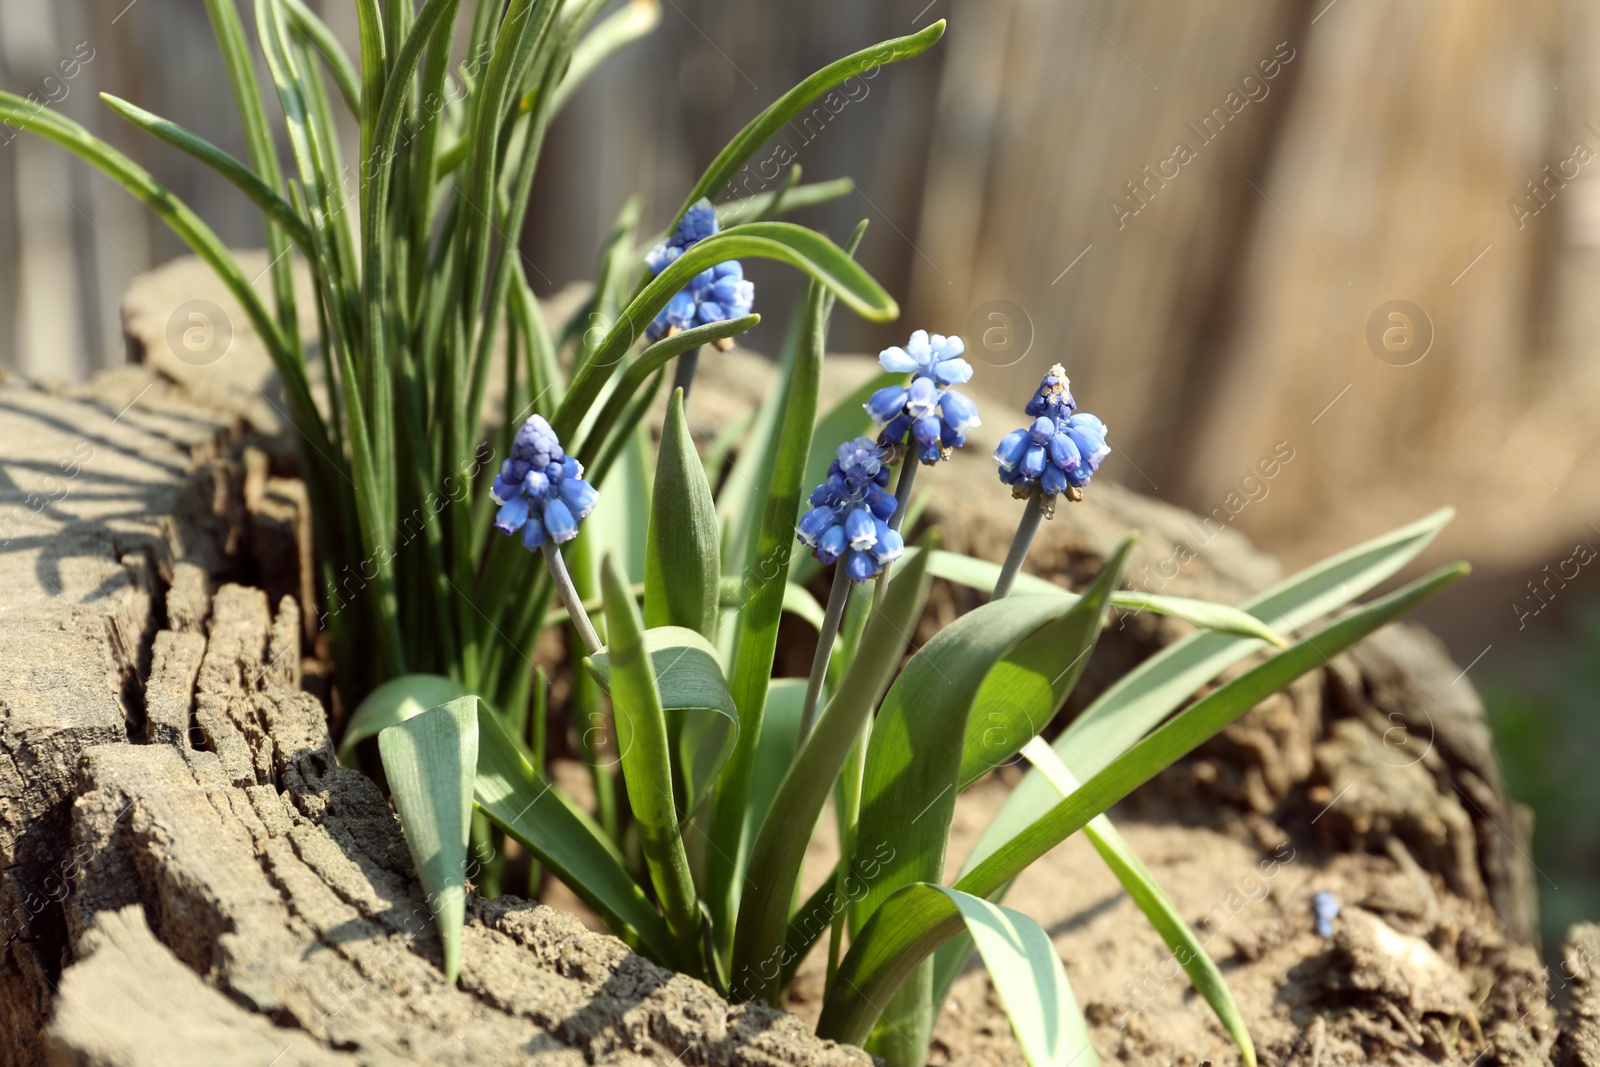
point(189, 877)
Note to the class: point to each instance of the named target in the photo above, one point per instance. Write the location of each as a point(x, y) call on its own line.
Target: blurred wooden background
point(1358, 152)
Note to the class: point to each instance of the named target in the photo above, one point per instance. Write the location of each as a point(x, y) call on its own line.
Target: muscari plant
point(430, 489)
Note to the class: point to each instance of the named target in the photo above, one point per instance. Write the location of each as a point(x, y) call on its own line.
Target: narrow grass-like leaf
point(785, 242)
point(394, 702)
point(611, 35)
point(695, 699)
point(780, 735)
point(1151, 899)
point(647, 761)
point(243, 178)
point(430, 760)
point(761, 206)
point(683, 567)
point(780, 846)
point(539, 815)
point(863, 64)
point(906, 929)
point(639, 371)
point(1140, 699)
point(344, 72)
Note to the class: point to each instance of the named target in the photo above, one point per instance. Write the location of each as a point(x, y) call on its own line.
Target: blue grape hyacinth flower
point(925, 414)
point(718, 293)
point(850, 513)
point(1060, 452)
point(540, 489)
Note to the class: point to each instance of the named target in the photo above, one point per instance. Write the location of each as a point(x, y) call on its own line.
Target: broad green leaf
point(780, 845)
point(540, 816)
point(394, 702)
point(982, 575)
point(780, 733)
point(430, 760)
point(1032, 985)
point(695, 699)
point(1033, 989)
point(1151, 899)
point(905, 929)
point(683, 568)
point(647, 760)
point(863, 64)
point(975, 693)
point(1140, 699)
point(785, 242)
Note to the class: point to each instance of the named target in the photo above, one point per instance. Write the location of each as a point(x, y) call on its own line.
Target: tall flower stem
point(902, 501)
point(570, 598)
point(838, 597)
point(1019, 545)
point(683, 375)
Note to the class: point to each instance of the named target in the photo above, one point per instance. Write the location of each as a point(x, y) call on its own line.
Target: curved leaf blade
point(695, 696)
point(393, 703)
point(761, 128)
point(430, 760)
point(545, 821)
point(1147, 894)
point(780, 845)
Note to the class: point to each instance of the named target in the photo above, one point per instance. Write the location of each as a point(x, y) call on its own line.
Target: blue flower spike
point(848, 520)
point(925, 415)
point(1059, 452)
point(540, 489)
point(715, 294)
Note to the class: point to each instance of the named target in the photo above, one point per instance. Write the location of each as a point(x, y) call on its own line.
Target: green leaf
point(780, 735)
point(780, 846)
point(243, 178)
point(1150, 692)
point(695, 697)
point(1038, 1001)
point(761, 128)
point(755, 641)
point(905, 930)
point(429, 760)
point(639, 371)
point(618, 30)
point(344, 72)
point(1032, 985)
point(394, 702)
point(1151, 899)
point(982, 575)
point(974, 694)
point(770, 204)
point(683, 567)
point(545, 821)
point(647, 759)
point(785, 242)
